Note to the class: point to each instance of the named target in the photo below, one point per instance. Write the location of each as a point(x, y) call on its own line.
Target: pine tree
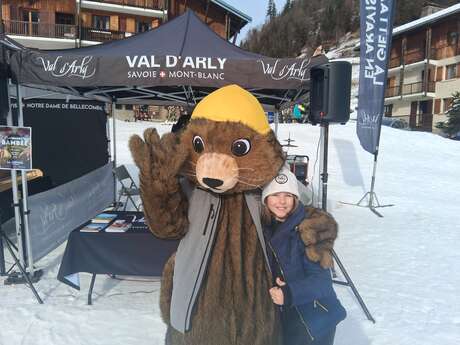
point(271, 9)
point(452, 125)
point(274, 11)
point(287, 6)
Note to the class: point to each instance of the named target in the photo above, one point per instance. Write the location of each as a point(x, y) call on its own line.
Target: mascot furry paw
point(203, 186)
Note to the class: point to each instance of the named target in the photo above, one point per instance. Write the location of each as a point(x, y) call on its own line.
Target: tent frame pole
point(114, 141)
point(276, 122)
point(14, 186)
point(25, 191)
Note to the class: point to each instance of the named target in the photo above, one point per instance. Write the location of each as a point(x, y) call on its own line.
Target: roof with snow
point(432, 18)
point(233, 10)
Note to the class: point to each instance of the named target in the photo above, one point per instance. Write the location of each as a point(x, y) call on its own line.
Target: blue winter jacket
point(310, 284)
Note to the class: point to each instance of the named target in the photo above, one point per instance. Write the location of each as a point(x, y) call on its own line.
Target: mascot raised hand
point(203, 186)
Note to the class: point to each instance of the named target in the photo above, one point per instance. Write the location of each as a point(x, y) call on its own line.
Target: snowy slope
point(405, 265)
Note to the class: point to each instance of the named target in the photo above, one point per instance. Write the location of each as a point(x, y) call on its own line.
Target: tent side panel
point(69, 138)
point(58, 211)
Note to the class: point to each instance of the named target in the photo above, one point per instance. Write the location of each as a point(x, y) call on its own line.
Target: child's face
point(280, 204)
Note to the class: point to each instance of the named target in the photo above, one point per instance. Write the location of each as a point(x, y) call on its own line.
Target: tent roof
point(177, 63)
point(9, 43)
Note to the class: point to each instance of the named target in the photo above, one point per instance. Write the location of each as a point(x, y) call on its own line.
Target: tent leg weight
point(19, 278)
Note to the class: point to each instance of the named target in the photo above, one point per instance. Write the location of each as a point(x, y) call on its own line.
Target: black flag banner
point(375, 43)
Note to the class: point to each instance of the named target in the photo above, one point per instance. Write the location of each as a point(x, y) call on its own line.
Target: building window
point(101, 22)
point(30, 16)
point(388, 110)
point(129, 107)
point(118, 106)
point(437, 106)
point(447, 103)
point(452, 38)
point(142, 26)
point(64, 18)
point(33, 19)
point(451, 71)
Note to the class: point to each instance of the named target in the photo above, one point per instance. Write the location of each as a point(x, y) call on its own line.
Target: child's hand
point(276, 293)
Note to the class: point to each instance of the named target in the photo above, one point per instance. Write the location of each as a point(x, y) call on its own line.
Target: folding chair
point(128, 189)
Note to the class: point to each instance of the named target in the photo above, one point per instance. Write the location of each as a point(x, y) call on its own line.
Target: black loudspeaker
point(330, 92)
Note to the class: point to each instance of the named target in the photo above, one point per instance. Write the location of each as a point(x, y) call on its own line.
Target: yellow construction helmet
point(235, 104)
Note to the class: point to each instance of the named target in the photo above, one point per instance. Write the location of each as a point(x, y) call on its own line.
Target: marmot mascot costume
point(203, 186)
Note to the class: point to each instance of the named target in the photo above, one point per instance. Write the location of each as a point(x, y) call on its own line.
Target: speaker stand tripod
point(324, 177)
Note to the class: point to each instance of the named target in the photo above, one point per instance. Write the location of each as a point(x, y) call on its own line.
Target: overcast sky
point(256, 9)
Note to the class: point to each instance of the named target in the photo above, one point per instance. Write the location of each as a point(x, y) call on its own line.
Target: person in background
point(183, 120)
point(310, 310)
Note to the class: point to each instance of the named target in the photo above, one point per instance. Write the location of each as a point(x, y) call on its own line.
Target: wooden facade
point(61, 19)
point(224, 23)
point(219, 21)
point(424, 68)
point(442, 39)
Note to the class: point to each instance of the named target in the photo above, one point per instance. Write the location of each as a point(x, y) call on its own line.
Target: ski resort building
point(424, 68)
point(55, 24)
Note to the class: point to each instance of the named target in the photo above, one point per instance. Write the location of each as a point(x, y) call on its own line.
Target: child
point(303, 289)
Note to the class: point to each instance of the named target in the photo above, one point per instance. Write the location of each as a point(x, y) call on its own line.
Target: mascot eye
point(198, 144)
point(241, 147)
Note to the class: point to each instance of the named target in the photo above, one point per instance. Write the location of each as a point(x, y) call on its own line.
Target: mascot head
point(231, 146)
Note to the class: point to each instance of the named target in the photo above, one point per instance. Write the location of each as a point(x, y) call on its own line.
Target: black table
point(136, 252)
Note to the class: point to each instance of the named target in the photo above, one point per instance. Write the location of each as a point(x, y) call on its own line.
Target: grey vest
point(195, 248)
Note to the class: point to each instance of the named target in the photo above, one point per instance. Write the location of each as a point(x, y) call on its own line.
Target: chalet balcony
point(409, 58)
point(445, 52)
point(409, 89)
point(414, 56)
point(416, 122)
point(20, 28)
point(145, 4)
point(392, 91)
point(102, 35)
point(395, 62)
point(62, 31)
point(419, 55)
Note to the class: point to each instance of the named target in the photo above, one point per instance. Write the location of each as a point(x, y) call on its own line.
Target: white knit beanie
point(285, 181)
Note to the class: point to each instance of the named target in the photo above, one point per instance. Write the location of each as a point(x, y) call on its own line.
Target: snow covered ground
point(405, 265)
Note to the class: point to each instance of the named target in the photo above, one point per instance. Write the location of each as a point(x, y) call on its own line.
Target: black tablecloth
point(135, 252)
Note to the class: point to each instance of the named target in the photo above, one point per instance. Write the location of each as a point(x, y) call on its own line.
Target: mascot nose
point(212, 182)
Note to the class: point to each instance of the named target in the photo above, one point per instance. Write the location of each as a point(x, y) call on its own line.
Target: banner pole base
point(369, 200)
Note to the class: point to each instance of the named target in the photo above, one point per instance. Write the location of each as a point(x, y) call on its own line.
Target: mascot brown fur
point(229, 158)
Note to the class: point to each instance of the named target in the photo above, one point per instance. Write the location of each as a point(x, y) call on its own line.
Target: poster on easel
point(15, 148)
